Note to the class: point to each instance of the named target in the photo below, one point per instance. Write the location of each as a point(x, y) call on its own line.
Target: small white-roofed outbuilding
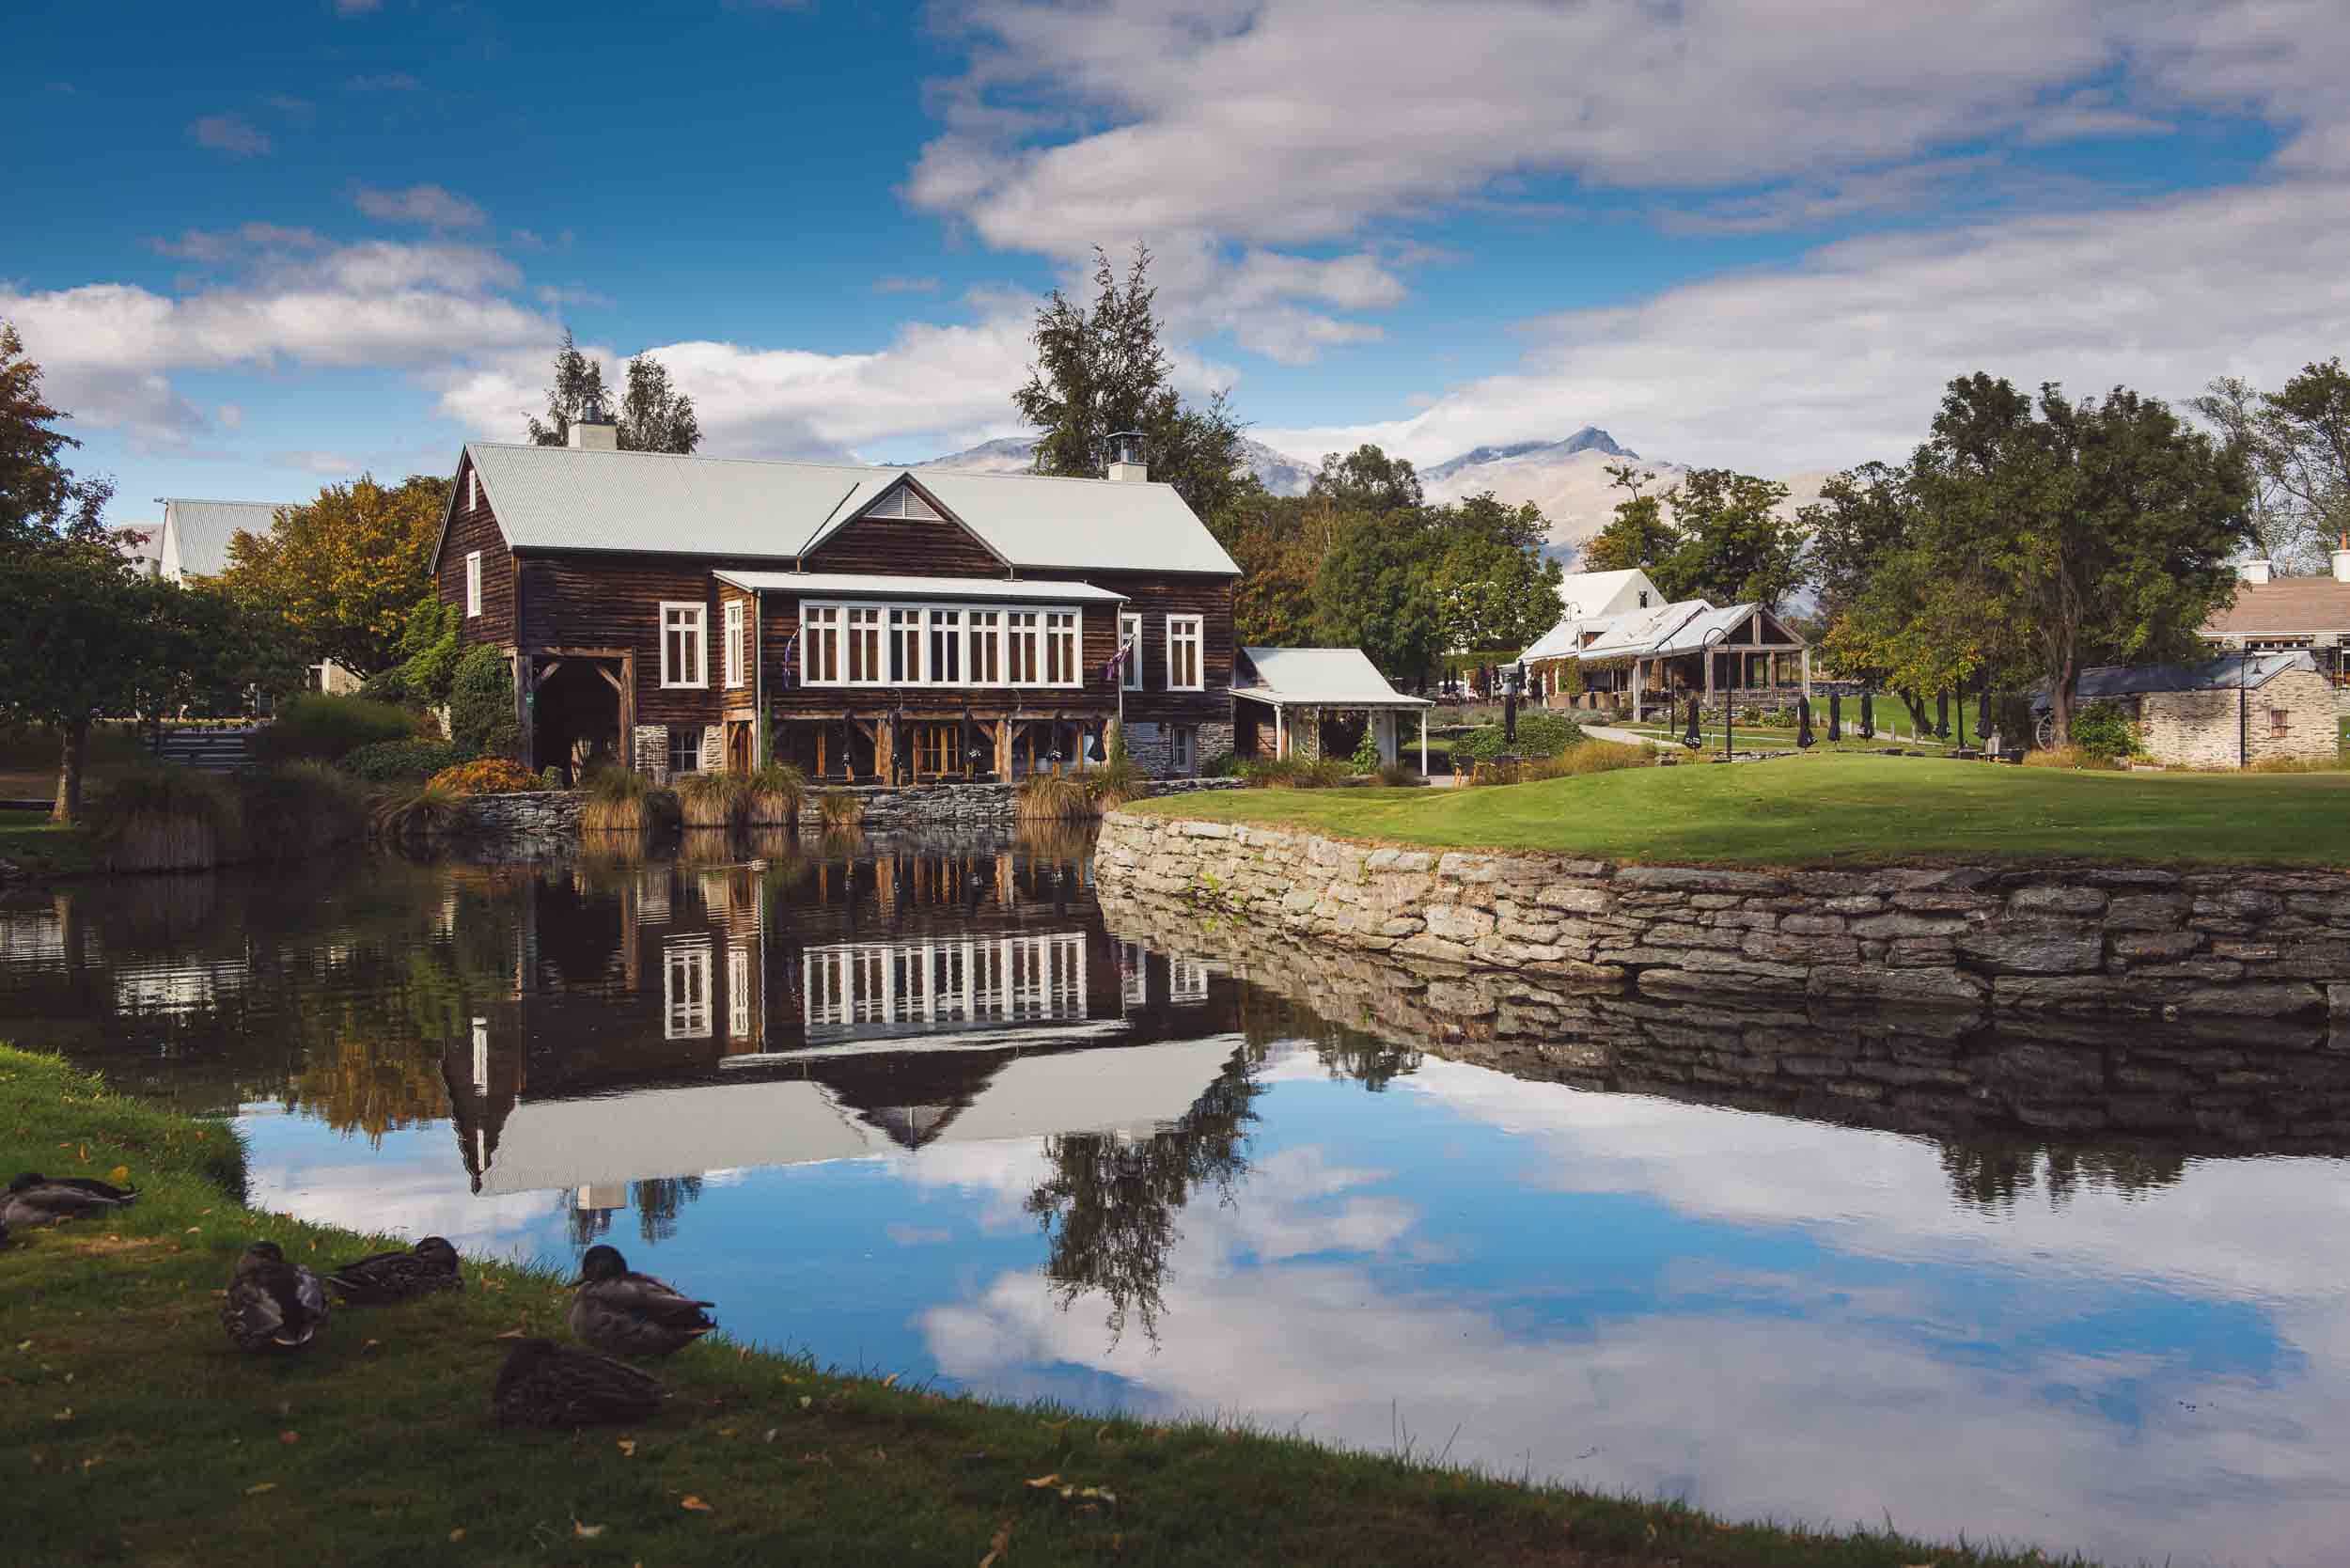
point(1300, 684)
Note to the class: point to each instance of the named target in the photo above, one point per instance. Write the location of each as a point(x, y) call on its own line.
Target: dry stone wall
point(1968, 940)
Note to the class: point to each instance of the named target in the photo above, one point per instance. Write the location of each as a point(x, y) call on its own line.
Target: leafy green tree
point(2305, 443)
point(1376, 591)
point(2284, 529)
point(1487, 516)
point(430, 646)
point(1493, 595)
point(481, 721)
point(345, 570)
point(653, 415)
point(1639, 536)
point(1104, 370)
point(1367, 479)
point(1862, 517)
point(39, 498)
point(2101, 529)
point(1734, 546)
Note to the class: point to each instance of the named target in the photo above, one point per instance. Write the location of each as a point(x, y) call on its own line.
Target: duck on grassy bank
point(382, 1279)
point(272, 1305)
point(35, 1199)
point(545, 1383)
point(623, 1314)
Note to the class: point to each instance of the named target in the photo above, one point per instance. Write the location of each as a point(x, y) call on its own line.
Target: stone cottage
point(2224, 713)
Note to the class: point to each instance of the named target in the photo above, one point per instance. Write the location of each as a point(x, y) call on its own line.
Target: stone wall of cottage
point(2292, 715)
point(1969, 940)
point(1153, 751)
point(961, 808)
point(526, 826)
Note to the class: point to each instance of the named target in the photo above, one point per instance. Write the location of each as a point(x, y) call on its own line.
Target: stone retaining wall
point(539, 823)
point(2087, 941)
point(964, 808)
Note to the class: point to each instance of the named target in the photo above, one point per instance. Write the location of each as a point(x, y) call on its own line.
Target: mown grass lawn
point(130, 1432)
point(1839, 810)
point(40, 848)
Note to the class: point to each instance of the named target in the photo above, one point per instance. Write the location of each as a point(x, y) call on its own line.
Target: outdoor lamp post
point(1511, 678)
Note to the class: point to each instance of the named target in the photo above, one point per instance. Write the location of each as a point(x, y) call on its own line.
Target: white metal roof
point(1583, 594)
point(1687, 626)
point(561, 498)
point(1322, 678)
point(196, 533)
point(872, 584)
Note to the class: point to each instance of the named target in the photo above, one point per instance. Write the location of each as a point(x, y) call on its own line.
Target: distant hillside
point(1012, 454)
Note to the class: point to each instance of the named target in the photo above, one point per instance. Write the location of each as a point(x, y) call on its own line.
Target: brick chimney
point(593, 431)
point(1126, 465)
point(2254, 572)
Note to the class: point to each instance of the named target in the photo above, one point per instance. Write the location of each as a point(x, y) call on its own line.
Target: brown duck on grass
point(272, 1305)
point(622, 1314)
point(392, 1276)
point(545, 1383)
point(35, 1199)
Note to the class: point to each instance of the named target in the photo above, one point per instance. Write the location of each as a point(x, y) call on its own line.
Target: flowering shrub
point(487, 776)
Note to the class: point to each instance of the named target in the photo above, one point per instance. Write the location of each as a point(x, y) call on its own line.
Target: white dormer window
point(473, 583)
point(903, 502)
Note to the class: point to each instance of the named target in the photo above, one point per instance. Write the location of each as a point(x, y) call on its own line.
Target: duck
point(386, 1278)
point(37, 1200)
point(545, 1383)
point(272, 1305)
point(622, 1314)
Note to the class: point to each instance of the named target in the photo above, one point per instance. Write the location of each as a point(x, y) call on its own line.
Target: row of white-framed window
point(927, 645)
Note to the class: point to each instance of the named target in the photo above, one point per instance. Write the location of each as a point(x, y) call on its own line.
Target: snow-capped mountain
point(1590, 438)
point(1278, 472)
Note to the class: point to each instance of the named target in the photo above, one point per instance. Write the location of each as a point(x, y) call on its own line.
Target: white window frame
point(986, 636)
point(686, 979)
point(473, 490)
point(1130, 637)
point(701, 744)
point(733, 633)
point(1190, 630)
point(1064, 649)
point(472, 584)
point(1183, 749)
point(698, 677)
point(906, 637)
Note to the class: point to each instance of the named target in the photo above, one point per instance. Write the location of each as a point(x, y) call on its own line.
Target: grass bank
point(136, 1434)
point(1839, 809)
point(41, 849)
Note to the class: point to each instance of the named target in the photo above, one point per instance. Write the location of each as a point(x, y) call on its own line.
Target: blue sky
point(264, 248)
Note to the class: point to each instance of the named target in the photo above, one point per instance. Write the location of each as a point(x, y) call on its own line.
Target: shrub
point(317, 727)
point(715, 799)
point(1366, 757)
point(410, 760)
point(2072, 757)
point(2104, 730)
point(839, 812)
point(481, 705)
point(777, 792)
point(487, 776)
point(301, 809)
point(1591, 757)
point(1540, 734)
point(415, 821)
point(1051, 797)
point(1222, 764)
point(1398, 774)
point(620, 801)
point(1119, 779)
point(165, 819)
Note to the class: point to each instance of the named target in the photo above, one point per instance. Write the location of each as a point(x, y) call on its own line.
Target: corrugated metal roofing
point(1322, 678)
point(559, 498)
point(2251, 671)
point(1033, 590)
point(196, 533)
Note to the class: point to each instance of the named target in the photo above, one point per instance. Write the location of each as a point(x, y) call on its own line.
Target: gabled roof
point(561, 498)
point(1320, 677)
point(196, 533)
point(1685, 626)
point(2287, 607)
point(2250, 671)
point(1586, 594)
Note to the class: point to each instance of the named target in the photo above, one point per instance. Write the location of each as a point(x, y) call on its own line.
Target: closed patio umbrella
point(1836, 715)
point(1867, 716)
point(1804, 739)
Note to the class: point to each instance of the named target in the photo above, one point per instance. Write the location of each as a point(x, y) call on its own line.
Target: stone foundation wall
point(2205, 729)
point(962, 807)
point(1967, 940)
point(1152, 749)
point(539, 822)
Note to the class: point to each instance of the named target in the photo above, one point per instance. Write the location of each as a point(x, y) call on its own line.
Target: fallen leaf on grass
point(256, 1490)
point(997, 1545)
point(695, 1504)
point(1053, 1479)
point(457, 1536)
point(1056, 1426)
point(770, 1433)
point(24, 1344)
point(806, 1401)
point(726, 1432)
point(627, 1447)
point(515, 1334)
point(290, 1438)
point(119, 1175)
point(369, 1348)
point(585, 1533)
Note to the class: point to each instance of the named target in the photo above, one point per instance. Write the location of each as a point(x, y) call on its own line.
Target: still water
point(936, 1109)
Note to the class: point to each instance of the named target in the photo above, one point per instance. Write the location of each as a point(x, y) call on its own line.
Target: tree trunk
point(68, 804)
point(2061, 699)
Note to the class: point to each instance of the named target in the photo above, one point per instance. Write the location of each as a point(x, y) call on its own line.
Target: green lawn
point(1839, 810)
point(133, 1432)
point(40, 848)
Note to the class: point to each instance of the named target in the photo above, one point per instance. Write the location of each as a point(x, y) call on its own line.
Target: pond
point(936, 1109)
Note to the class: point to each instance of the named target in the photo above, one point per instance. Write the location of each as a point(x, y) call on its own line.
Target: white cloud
point(429, 205)
point(1842, 356)
point(388, 80)
point(229, 417)
point(333, 465)
point(229, 134)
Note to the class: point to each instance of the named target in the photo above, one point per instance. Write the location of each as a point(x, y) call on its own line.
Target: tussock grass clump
point(2297, 765)
point(2074, 758)
point(720, 800)
point(839, 812)
point(1292, 773)
point(1052, 797)
point(417, 820)
point(778, 793)
point(623, 801)
point(165, 819)
point(1398, 775)
point(299, 809)
point(1589, 757)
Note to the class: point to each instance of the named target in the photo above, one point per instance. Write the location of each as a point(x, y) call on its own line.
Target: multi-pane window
point(1182, 653)
point(1060, 648)
point(2279, 724)
point(864, 647)
point(905, 647)
point(686, 748)
point(987, 648)
point(739, 992)
point(473, 582)
point(683, 661)
point(1187, 980)
point(820, 630)
point(946, 648)
point(1020, 646)
point(734, 660)
point(937, 748)
point(1130, 642)
point(685, 991)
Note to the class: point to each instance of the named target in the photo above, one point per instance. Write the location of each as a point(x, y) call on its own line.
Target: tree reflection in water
point(1108, 1208)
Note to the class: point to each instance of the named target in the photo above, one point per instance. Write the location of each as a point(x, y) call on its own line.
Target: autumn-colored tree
point(345, 570)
